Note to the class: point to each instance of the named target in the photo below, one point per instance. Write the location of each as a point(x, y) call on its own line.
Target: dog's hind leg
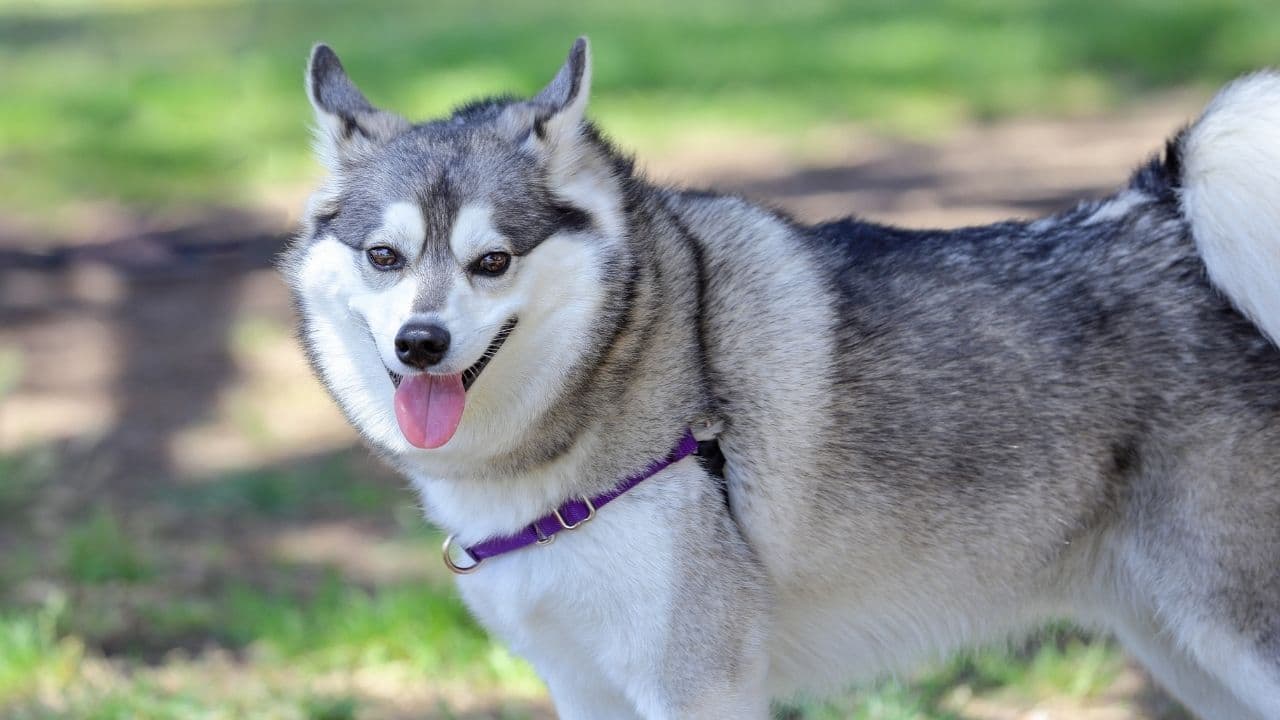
point(1201, 567)
point(1252, 674)
point(1178, 671)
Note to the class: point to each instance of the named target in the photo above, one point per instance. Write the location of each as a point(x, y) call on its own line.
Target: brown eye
point(494, 263)
point(383, 257)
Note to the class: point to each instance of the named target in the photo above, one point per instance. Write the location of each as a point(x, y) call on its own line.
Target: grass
point(421, 626)
point(21, 474)
point(32, 654)
point(1058, 662)
point(420, 633)
point(10, 369)
point(98, 550)
point(154, 105)
point(120, 630)
point(286, 492)
point(290, 647)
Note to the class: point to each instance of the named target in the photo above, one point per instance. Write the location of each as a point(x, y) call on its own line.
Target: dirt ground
point(156, 352)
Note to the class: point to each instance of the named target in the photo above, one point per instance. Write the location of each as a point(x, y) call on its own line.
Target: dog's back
point(937, 436)
point(930, 438)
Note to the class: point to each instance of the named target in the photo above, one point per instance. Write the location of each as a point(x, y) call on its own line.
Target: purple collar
point(568, 516)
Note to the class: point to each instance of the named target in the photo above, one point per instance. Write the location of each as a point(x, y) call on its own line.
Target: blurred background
point(188, 529)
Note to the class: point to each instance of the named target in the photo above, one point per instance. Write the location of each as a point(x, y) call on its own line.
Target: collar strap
point(568, 516)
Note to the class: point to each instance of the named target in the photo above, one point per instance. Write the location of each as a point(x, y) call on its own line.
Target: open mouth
point(429, 406)
point(470, 374)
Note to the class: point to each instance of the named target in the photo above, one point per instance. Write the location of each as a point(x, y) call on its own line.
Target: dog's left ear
point(553, 127)
point(562, 105)
point(347, 124)
point(551, 123)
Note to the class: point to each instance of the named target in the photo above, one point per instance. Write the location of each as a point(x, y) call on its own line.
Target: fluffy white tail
point(1231, 195)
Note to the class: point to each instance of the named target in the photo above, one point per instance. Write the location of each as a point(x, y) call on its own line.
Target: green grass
point(31, 653)
point(422, 632)
point(304, 489)
point(142, 698)
point(10, 369)
point(418, 631)
point(21, 475)
point(120, 632)
point(159, 104)
point(1059, 662)
point(422, 626)
point(98, 550)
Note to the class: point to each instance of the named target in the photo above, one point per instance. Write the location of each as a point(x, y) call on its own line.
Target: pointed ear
point(552, 120)
point(581, 168)
point(567, 94)
point(347, 125)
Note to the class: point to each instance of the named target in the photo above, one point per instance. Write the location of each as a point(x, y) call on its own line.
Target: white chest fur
point(592, 609)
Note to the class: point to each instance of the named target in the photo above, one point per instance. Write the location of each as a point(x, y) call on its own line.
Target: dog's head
point(451, 274)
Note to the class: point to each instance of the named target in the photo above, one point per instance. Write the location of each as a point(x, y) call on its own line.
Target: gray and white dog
point(930, 438)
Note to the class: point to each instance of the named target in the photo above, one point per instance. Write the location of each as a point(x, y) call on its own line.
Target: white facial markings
point(349, 361)
point(353, 315)
point(385, 311)
point(403, 228)
point(559, 282)
point(474, 233)
point(474, 312)
point(558, 296)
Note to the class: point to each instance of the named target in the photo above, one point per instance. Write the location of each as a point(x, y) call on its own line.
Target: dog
point(695, 455)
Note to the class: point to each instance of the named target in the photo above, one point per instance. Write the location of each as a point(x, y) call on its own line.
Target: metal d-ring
point(454, 567)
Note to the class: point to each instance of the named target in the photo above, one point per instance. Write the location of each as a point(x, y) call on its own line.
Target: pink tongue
point(429, 407)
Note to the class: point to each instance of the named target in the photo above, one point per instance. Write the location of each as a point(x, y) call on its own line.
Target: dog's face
point(449, 273)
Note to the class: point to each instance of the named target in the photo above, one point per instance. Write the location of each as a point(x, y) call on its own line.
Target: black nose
point(421, 345)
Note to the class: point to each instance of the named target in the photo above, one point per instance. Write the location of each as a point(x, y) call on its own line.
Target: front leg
point(711, 697)
point(656, 609)
point(715, 661)
point(711, 659)
point(583, 693)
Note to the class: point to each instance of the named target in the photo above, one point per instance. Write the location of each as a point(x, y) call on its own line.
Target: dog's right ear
point(347, 125)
